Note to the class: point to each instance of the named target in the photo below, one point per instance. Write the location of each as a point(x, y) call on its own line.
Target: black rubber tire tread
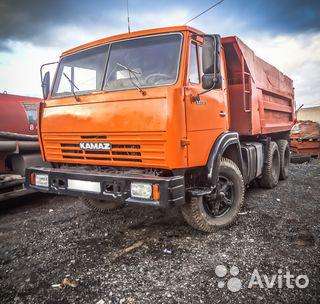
point(100, 206)
point(283, 146)
point(193, 211)
point(267, 180)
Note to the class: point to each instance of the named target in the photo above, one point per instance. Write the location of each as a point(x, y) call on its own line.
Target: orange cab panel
point(140, 129)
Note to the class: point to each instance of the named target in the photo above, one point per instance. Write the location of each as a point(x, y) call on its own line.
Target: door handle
point(196, 99)
point(222, 113)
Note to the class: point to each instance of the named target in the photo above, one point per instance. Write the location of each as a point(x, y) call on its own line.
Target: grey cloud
point(35, 21)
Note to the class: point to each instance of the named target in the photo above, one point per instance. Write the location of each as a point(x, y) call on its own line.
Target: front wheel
point(207, 214)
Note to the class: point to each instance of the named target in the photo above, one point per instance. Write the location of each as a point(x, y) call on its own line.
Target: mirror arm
point(197, 97)
point(43, 65)
point(41, 72)
point(206, 91)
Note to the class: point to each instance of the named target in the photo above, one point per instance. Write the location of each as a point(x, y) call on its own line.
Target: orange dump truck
point(164, 117)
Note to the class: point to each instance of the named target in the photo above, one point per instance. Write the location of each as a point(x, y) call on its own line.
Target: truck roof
point(147, 32)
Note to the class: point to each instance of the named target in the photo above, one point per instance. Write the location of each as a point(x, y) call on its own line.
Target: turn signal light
point(155, 192)
point(32, 178)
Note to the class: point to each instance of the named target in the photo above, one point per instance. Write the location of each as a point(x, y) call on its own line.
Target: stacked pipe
point(20, 150)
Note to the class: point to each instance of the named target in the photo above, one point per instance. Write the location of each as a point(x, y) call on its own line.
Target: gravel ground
point(44, 239)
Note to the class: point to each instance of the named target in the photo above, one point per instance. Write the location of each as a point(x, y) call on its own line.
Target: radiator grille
point(147, 149)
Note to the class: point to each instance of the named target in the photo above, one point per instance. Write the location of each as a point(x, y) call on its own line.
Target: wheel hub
point(221, 203)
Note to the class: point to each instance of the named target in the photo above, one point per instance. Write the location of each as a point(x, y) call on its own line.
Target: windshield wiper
point(74, 85)
point(134, 72)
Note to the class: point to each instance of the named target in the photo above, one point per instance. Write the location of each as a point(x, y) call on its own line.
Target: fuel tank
point(18, 114)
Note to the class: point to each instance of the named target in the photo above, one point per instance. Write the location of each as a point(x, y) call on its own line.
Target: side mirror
point(211, 78)
point(45, 84)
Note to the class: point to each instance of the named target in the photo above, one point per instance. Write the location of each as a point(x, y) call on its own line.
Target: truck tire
point(271, 169)
point(284, 152)
point(100, 205)
point(206, 214)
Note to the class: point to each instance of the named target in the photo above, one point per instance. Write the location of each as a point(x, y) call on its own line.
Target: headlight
point(141, 190)
point(42, 180)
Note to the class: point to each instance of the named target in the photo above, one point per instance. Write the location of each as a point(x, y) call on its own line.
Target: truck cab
point(159, 117)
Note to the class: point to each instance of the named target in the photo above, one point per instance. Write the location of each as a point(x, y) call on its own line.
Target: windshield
point(134, 63)
point(81, 72)
point(150, 61)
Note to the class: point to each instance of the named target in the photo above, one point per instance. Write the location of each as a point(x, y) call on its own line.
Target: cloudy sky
point(285, 33)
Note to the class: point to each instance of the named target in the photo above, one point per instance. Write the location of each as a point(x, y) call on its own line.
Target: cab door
point(206, 112)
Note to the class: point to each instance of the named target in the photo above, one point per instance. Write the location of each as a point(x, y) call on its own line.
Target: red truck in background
point(305, 141)
point(19, 147)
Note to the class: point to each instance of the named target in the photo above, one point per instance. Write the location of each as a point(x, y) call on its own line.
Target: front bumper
point(114, 186)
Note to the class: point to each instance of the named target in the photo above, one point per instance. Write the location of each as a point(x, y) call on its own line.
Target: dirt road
point(45, 239)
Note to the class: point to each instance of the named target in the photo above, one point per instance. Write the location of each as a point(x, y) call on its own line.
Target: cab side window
point(194, 75)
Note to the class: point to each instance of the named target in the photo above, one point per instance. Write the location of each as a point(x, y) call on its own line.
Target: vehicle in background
point(305, 141)
point(19, 145)
point(308, 112)
point(165, 117)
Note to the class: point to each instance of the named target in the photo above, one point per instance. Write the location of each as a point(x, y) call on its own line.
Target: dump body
point(261, 98)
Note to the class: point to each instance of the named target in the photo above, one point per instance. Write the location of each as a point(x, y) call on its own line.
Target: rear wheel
point(208, 213)
point(101, 205)
point(284, 152)
point(271, 169)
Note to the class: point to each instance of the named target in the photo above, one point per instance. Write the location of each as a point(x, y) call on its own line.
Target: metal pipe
point(8, 146)
point(22, 161)
point(17, 136)
point(20, 146)
point(24, 146)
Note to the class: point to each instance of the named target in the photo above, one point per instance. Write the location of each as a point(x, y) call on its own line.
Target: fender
point(223, 141)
